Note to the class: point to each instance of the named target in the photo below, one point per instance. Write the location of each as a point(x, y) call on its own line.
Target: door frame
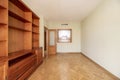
point(49, 42)
point(46, 41)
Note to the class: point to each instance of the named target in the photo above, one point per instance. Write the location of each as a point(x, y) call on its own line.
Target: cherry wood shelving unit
point(20, 53)
point(35, 38)
point(35, 31)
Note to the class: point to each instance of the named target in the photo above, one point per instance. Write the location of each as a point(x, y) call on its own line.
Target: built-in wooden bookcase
point(35, 38)
point(19, 40)
point(20, 28)
point(35, 31)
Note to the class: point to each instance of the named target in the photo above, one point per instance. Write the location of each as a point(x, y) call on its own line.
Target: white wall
point(101, 36)
point(75, 46)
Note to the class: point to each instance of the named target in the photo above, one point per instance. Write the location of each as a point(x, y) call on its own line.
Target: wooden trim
point(45, 28)
point(106, 71)
point(46, 41)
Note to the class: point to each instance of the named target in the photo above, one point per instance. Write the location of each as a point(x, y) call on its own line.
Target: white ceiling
point(63, 10)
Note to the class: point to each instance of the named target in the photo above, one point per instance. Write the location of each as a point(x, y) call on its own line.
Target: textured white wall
point(101, 36)
point(75, 46)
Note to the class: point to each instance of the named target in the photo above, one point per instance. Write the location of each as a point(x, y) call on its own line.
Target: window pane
point(64, 35)
point(52, 36)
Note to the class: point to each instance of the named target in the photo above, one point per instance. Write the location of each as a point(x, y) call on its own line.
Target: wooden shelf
point(34, 16)
point(3, 4)
point(16, 24)
point(21, 5)
point(36, 48)
point(35, 36)
point(18, 17)
point(14, 61)
point(35, 32)
point(18, 12)
point(3, 59)
point(35, 25)
point(35, 40)
point(3, 40)
point(2, 7)
point(3, 23)
point(35, 20)
point(18, 54)
point(19, 28)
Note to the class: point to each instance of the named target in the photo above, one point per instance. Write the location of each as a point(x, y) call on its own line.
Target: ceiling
point(63, 10)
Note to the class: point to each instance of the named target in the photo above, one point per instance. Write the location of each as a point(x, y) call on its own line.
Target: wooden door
point(51, 41)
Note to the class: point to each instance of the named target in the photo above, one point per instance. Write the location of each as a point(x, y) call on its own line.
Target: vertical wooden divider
point(3, 27)
point(3, 39)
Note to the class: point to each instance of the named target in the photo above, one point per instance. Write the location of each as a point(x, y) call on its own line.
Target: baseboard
point(106, 71)
point(68, 52)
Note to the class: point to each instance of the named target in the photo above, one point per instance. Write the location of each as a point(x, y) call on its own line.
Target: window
point(64, 35)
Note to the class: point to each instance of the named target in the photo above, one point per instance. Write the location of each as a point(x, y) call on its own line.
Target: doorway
point(52, 41)
point(45, 41)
